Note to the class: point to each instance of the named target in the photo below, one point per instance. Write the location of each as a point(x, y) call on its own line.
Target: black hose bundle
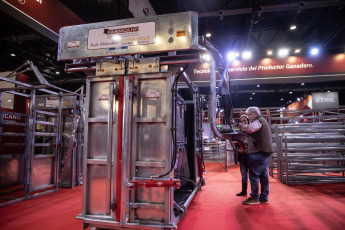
point(173, 112)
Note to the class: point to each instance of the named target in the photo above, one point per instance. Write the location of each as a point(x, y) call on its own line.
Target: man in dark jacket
point(259, 150)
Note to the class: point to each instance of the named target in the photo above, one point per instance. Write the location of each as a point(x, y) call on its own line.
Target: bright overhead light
point(258, 86)
point(283, 52)
point(57, 72)
point(232, 56)
point(208, 35)
point(246, 55)
point(297, 51)
point(282, 99)
point(206, 57)
point(253, 93)
point(298, 99)
point(290, 92)
point(293, 27)
point(314, 51)
point(269, 52)
point(302, 83)
point(13, 55)
point(250, 98)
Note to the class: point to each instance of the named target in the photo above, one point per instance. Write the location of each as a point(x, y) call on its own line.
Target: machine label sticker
point(103, 97)
point(152, 95)
point(52, 102)
point(180, 33)
point(73, 44)
point(122, 36)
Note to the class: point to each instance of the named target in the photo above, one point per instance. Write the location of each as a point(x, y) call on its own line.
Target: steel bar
point(126, 133)
point(47, 113)
point(109, 149)
point(273, 8)
point(17, 93)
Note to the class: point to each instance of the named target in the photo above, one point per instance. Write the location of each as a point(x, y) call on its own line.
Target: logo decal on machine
point(122, 37)
point(123, 30)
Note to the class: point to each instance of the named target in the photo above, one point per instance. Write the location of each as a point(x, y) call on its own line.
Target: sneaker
point(263, 201)
point(251, 200)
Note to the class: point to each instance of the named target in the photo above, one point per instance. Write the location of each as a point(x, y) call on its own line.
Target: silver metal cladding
point(152, 34)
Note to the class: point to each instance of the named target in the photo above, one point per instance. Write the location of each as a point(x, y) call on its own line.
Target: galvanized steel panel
point(160, 33)
point(151, 143)
point(152, 139)
point(10, 172)
point(145, 65)
point(96, 204)
point(150, 214)
point(152, 98)
point(110, 68)
point(99, 98)
point(43, 171)
point(97, 145)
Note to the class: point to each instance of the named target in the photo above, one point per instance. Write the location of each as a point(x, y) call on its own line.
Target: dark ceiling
point(234, 25)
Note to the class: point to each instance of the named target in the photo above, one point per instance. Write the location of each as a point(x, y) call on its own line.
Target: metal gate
point(35, 169)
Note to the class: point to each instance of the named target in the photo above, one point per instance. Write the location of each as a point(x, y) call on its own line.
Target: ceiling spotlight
point(57, 72)
point(290, 92)
point(297, 51)
point(258, 86)
point(208, 35)
point(232, 56)
point(314, 51)
point(328, 91)
point(253, 93)
point(246, 55)
point(298, 99)
point(13, 55)
point(282, 99)
point(206, 57)
point(250, 98)
point(289, 101)
point(283, 52)
point(269, 52)
point(302, 83)
point(293, 27)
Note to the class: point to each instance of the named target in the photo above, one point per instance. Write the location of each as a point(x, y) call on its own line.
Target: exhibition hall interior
point(130, 114)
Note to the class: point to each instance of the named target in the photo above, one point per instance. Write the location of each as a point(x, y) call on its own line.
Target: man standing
point(259, 149)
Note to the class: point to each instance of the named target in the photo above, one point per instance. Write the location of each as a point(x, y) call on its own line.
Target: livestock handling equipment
point(38, 143)
point(143, 129)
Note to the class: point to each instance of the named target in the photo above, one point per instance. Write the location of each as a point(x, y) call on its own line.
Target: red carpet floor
point(215, 207)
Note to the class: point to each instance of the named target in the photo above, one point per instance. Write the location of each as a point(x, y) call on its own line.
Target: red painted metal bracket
point(155, 183)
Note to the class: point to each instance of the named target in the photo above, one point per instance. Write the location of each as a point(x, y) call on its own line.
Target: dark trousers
point(258, 164)
point(243, 159)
